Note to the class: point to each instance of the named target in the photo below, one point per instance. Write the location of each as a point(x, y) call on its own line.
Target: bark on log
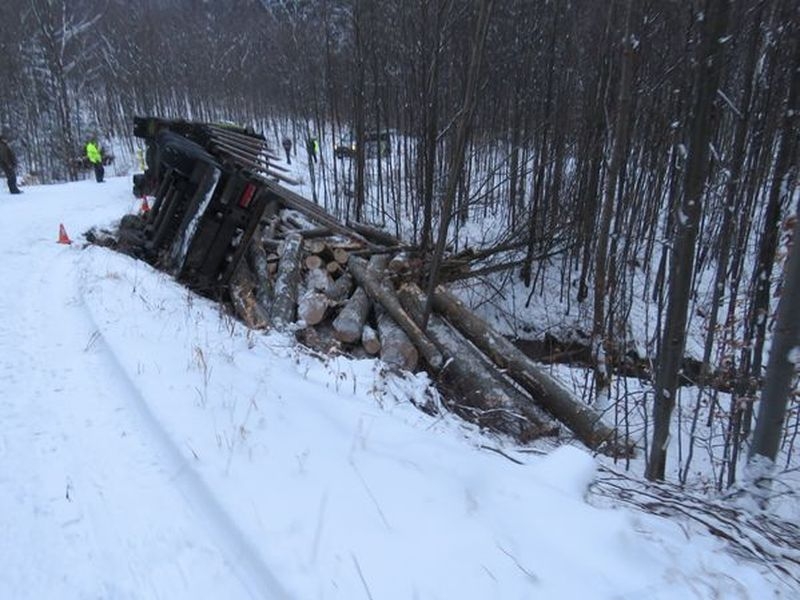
point(316, 232)
point(484, 396)
point(383, 294)
point(257, 259)
point(286, 283)
point(348, 324)
point(318, 280)
point(243, 298)
point(341, 288)
point(396, 348)
point(319, 338)
point(378, 236)
point(272, 231)
point(581, 419)
point(271, 244)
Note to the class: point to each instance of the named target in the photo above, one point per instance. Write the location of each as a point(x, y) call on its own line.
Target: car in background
point(376, 144)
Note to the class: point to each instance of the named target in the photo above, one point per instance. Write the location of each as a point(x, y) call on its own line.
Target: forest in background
point(648, 148)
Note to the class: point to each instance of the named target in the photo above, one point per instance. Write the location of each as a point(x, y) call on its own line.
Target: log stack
point(358, 294)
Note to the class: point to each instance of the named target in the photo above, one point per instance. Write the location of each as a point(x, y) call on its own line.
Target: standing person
point(95, 155)
point(312, 147)
point(8, 162)
point(287, 146)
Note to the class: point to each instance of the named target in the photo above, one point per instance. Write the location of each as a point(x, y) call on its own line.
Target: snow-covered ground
point(152, 447)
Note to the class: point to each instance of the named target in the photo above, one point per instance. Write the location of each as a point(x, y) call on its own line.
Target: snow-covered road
point(94, 496)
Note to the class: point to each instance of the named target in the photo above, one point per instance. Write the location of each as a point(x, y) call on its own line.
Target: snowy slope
point(151, 447)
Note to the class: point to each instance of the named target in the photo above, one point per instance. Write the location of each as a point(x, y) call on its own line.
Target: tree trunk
point(784, 358)
point(779, 191)
point(600, 341)
point(257, 260)
point(479, 393)
point(385, 296)
point(348, 325)
point(243, 299)
point(287, 281)
point(457, 162)
point(580, 418)
point(312, 307)
point(715, 25)
point(395, 347)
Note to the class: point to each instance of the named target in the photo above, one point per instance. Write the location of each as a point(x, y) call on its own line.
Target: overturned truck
point(223, 222)
point(207, 181)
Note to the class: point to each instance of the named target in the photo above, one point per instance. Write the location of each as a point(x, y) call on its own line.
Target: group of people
point(94, 154)
point(8, 161)
point(312, 147)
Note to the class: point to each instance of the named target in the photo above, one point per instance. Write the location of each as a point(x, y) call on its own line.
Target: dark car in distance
point(376, 144)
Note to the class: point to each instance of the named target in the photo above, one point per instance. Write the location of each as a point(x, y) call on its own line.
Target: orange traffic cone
point(145, 208)
point(63, 238)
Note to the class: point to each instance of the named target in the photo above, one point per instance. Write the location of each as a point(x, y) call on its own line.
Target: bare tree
point(709, 70)
point(457, 158)
point(785, 352)
point(61, 51)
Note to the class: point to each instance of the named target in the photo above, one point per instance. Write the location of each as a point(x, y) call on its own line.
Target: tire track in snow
point(53, 315)
point(246, 558)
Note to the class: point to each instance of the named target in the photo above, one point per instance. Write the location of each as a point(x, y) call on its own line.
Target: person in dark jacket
point(287, 146)
point(95, 155)
point(8, 162)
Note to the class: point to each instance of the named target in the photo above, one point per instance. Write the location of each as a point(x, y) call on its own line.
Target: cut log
point(396, 347)
point(318, 280)
point(585, 422)
point(341, 288)
point(314, 246)
point(340, 255)
point(243, 298)
point(384, 295)
point(286, 282)
point(481, 394)
point(312, 307)
point(333, 267)
point(313, 261)
point(348, 324)
point(370, 340)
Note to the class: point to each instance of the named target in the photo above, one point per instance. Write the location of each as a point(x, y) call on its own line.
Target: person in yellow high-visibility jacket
point(95, 155)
